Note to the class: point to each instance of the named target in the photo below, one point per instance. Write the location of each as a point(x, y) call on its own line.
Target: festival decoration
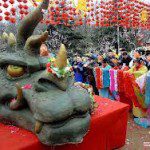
point(58, 71)
point(127, 14)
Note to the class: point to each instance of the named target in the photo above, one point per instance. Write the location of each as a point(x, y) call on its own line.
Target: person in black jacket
point(110, 58)
point(125, 59)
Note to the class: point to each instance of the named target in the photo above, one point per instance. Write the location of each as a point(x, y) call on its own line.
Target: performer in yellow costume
point(138, 70)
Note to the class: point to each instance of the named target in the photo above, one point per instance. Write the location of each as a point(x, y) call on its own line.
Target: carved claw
point(29, 23)
point(38, 126)
point(16, 103)
point(34, 43)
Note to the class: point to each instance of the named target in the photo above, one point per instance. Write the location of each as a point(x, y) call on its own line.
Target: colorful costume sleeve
point(147, 90)
point(98, 76)
point(106, 77)
point(142, 71)
point(138, 73)
point(141, 81)
point(112, 81)
point(120, 81)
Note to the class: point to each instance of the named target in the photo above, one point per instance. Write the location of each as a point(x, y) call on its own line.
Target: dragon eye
point(15, 71)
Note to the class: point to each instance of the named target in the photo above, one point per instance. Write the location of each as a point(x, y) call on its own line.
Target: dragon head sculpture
point(53, 108)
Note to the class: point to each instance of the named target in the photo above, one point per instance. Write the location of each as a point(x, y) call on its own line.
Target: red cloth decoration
point(107, 131)
point(129, 89)
point(129, 82)
point(121, 89)
point(120, 81)
point(98, 75)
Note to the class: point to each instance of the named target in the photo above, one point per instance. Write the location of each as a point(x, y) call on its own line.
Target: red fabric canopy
point(107, 131)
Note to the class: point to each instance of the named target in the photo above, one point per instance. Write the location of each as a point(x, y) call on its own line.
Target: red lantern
point(1, 18)
point(80, 23)
point(57, 2)
point(64, 8)
point(7, 13)
point(13, 20)
point(58, 18)
point(21, 12)
point(7, 18)
point(88, 5)
point(19, 0)
point(97, 7)
point(57, 9)
point(71, 18)
point(97, 24)
point(26, 13)
point(4, 0)
point(71, 13)
point(1, 11)
point(25, 7)
point(13, 13)
point(85, 15)
point(5, 5)
point(62, 3)
point(25, 1)
point(11, 1)
point(20, 6)
point(13, 10)
point(92, 4)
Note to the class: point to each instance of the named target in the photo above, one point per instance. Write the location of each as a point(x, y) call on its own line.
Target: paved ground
point(136, 137)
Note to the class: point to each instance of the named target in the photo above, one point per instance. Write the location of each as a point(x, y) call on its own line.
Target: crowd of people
point(138, 63)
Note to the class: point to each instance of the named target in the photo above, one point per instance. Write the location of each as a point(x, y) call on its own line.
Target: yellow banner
point(144, 16)
point(81, 5)
point(39, 0)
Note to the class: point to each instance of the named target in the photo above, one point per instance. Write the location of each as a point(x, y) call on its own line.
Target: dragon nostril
point(47, 83)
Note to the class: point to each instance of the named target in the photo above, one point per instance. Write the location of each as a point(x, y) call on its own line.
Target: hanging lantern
point(7, 18)
point(13, 9)
point(21, 12)
point(25, 7)
point(20, 6)
point(5, 5)
point(25, 1)
point(56, 2)
point(26, 12)
point(4, 0)
point(62, 3)
point(13, 13)
point(7, 13)
point(1, 18)
point(80, 23)
point(11, 1)
point(13, 20)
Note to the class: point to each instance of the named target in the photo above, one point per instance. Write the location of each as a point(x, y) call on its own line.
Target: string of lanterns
point(127, 14)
